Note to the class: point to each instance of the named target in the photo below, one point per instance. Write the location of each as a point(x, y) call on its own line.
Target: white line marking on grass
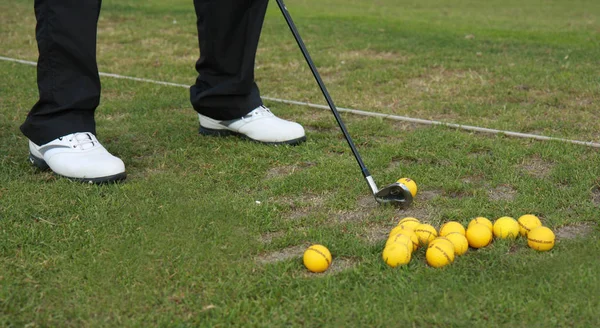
point(116, 76)
point(18, 61)
point(354, 111)
point(429, 122)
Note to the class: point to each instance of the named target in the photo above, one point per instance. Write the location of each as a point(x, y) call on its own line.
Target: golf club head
point(395, 194)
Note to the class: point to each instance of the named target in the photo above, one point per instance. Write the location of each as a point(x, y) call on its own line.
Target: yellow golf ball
point(410, 184)
point(317, 258)
point(441, 240)
point(396, 254)
point(481, 220)
point(541, 239)
point(410, 234)
point(450, 227)
point(399, 238)
point(439, 255)
point(425, 232)
point(528, 222)
point(409, 222)
point(460, 242)
point(479, 235)
point(506, 228)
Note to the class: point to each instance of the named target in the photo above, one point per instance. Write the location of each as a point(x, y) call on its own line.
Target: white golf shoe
point(259, 125)
point(78, 156)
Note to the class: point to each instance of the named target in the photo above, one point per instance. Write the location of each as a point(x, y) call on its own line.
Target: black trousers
point(67, 73)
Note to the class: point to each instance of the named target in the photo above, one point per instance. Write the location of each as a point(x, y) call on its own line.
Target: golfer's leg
point(67, 74)
point(61, 126)
point(225, 95)
point(228, 34)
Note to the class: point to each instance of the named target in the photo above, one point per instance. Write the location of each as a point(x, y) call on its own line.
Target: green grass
point(184, 242)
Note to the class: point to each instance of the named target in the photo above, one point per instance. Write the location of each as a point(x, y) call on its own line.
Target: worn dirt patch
point(299, 213)
point(351, 216)
point(502, 192)
point(338, 264)
point(472, 179)
point(575, 230)
point(458, 194)
point(596, 196)
point(268, 237)
point(282, 255)
point(396, 163)
point(302, 200)
point(279, 171)
point(301, 205)
point(480, 154)
point(366, 206)
point(537, 167)
point(367, 202)
point(376, 234)
point(426, 195)
point(408, 161)
point(422, 214)
point(447, 82)
point(372, 55)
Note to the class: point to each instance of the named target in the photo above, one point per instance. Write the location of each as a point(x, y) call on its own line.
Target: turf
point(209, 231)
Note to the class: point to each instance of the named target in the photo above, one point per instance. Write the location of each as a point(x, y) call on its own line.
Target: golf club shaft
point(334, 110)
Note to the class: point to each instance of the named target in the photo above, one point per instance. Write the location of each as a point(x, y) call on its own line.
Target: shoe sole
point(42, 165)
point(225, 133)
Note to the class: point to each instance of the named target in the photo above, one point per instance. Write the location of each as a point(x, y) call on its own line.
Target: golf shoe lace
point(83, 141)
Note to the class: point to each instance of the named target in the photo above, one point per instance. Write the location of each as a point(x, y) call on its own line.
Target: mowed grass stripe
point(360, 112)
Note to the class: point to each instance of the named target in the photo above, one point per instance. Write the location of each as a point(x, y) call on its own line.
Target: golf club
point(395, 193)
